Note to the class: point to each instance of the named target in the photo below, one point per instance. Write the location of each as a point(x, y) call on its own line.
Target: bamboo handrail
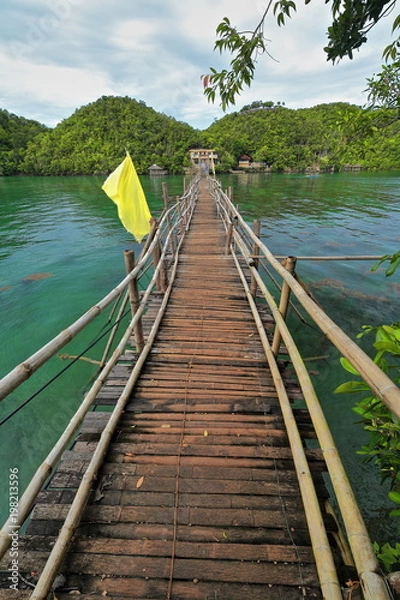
point(366, 562)
point(322, 551)
point(381, 385)
point(373, 583)
point(45, 469)
point(74, 515)
point(24, 370)
point(360, 257)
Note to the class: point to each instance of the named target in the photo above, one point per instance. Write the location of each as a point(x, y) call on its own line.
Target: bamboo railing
point(173, 225)
point(241, 241)
point(159, 256)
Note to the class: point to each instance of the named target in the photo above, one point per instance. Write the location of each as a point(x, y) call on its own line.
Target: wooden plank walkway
point(197, 498)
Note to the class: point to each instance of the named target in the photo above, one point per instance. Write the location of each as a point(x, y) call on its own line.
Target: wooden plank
point(226, 551)
point(187, 569)
point(141, 589)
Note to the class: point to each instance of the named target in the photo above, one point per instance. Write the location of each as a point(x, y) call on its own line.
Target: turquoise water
point(61, 247)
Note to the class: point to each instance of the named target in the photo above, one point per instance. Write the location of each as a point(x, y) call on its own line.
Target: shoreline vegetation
point(261, 137)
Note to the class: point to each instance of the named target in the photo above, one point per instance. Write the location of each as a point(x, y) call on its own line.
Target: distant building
point(245, 161)
point(156, 170)
point(204, 159)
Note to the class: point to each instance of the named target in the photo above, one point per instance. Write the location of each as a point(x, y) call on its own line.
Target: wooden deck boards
point(197, 498)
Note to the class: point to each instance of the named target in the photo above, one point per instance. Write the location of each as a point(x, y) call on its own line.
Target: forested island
point(327, 137)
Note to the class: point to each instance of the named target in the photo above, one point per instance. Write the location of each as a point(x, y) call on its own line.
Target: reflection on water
point(61, 248)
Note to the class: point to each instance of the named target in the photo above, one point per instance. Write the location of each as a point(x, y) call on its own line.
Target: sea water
point(61, 251)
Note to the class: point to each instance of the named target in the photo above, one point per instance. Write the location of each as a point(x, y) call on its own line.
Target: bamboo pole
point(166, 202)
point(322, 551)
point(290, 265)
point(24, 370)
point(256, 252)
point(381, 385)
point(164, 275)
point(129, 257)
point(360, 257)
point(46, 468)
point(372, 582)
point(180, 216)
point(229, 238)
point(73, 518)
point(113, 331)
point(156, 260)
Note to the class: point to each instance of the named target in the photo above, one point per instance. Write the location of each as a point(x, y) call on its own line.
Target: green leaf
point(346, 364)
point(391, 347)
point(351, 387)
point(378, 264)
point(394, 497)
point(393, 267)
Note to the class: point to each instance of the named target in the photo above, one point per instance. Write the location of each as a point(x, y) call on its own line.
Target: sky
point(58, 55)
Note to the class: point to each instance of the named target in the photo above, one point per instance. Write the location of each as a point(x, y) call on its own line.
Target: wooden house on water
point(155, 170)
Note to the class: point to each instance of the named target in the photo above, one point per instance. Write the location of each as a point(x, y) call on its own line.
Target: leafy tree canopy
point(95, 137)
point(318, 138)
point(351, 22)
point(15, 133)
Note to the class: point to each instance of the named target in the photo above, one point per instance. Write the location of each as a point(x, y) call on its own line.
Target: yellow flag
point(124, 188)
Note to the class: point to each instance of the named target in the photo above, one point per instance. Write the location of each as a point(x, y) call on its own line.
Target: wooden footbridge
point(186, 472)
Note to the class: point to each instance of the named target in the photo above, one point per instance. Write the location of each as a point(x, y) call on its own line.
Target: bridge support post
point(290, 264)
point(156, 260)
point(164, 275)
point(182, 223)
point(134, 298)
point(256, 251)
point(229, 235)
point(166, 203)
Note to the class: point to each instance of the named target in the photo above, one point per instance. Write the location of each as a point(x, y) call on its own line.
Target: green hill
point(15, 133)
point(327, 136)
point(94, 138)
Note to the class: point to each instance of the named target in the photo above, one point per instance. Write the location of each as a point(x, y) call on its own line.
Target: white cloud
point(56, 55)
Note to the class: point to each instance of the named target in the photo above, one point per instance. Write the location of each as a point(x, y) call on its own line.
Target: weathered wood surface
point(198, 498)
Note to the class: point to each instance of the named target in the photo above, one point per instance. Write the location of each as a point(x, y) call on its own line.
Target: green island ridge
point(271, 137)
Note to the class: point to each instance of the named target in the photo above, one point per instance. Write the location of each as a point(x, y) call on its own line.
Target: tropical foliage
point(383, 427)
point(15, 133)
point(94, 138)
point(325, 137)
point(352, 20)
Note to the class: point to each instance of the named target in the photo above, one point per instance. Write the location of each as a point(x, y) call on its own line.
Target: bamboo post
point(164, 275)
point(324, 560)
point(289, 264)
point(373, 584)
point(166, 203)
point(74, 515)
point(156, 260)
point(134, 298)
point(229, 235)
point(256, 252)
point(114, 330)
point(181, 216)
